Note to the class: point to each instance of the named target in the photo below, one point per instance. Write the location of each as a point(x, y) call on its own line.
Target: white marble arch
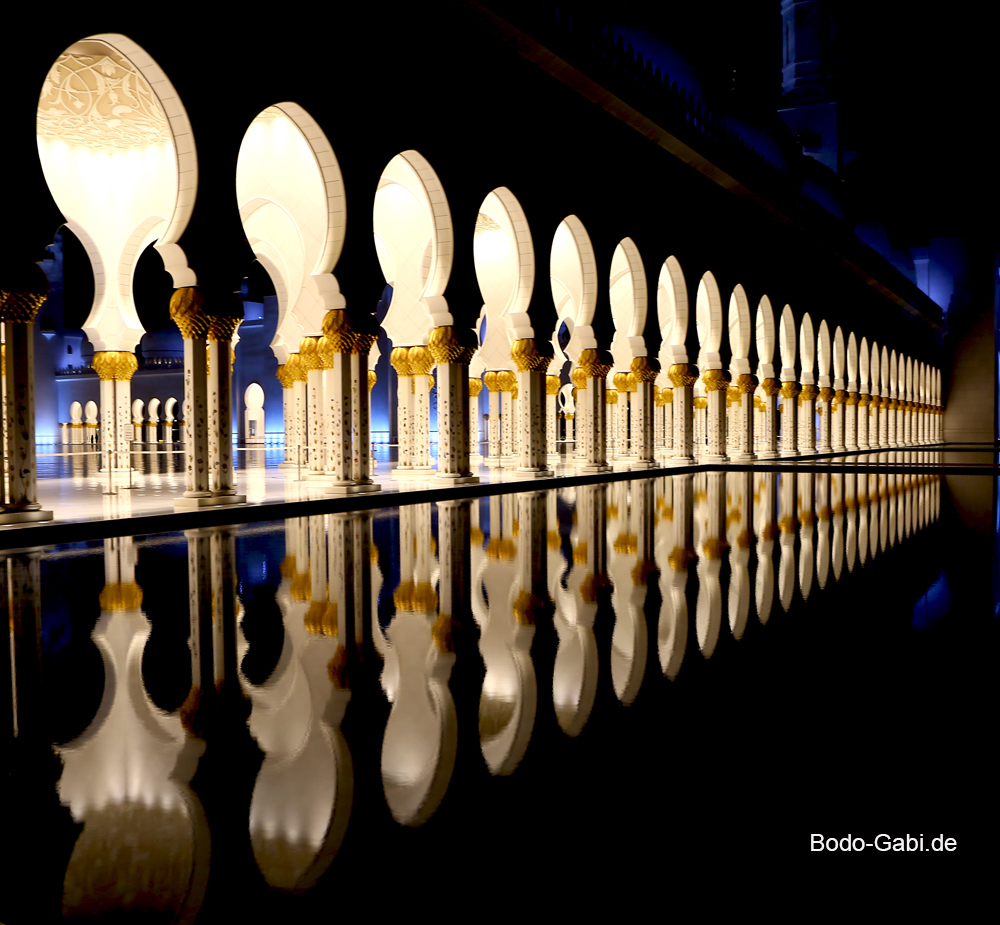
point(787, 344)
point(764, 339)
point(169, 417)
point(740, 332)
point(290, 195)
point(573, 279)
point(505, 269)
point(627, 291)
point(118, 156)
point(709, 323)
point(414, 241)
point(808, 350)
point(672, 316)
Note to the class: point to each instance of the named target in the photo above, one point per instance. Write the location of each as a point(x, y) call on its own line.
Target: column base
point(643, 464)
point(681, 461)
point(475, 461)
point(24, 517)
point(493, 462)
point(789, 454)
point(553, 459)
point(768, 454)
point(743, 457)
point(401, 473)
point(714, 458)
point(194, 504)
point(593, 467)
point(809, 451)
point(508, 462)
point(352, 488)
point(457, 479)
point(839, 449)
point(520, 473)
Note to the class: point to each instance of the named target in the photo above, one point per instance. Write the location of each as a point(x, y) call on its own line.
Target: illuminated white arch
point(708, 318)
point(740, 331)
point(628, 296)
point(573, 279)
point(118, 155)
point(765, 339)
point(672, 313)
point(786, 343)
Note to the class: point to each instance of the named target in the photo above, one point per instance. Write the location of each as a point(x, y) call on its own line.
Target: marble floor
point(75, 487)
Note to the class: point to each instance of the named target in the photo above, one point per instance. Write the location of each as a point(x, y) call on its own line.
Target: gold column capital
point(446, 347)
point(746, 383)
point(421, 360)
point(527, 356)
point(715, 380)
point(372, 379)
point(399, 360)
point(771, 387)
point(187, 308)
point(475, 387)
point(552, 385)
point(682, 375)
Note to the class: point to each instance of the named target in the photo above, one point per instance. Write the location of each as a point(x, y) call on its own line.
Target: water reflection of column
point(823, 527)
point(764, 517)
point(738, 535)
point(786, 540)
point(507, 615)
point(129, 772)
point(629, 564)
point(837, 490)
point(574, 676)
point(673, 552)
point(303, 793)
point(710, 543)
point(807, 517)
point(418, 748)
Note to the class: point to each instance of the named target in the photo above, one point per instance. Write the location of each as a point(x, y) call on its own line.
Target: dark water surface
point(607, 691)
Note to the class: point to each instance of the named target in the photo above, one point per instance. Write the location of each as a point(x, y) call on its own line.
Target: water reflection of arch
point(710, 543)
point(673, 552)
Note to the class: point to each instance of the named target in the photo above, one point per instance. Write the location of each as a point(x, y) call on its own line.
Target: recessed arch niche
point(118, 155)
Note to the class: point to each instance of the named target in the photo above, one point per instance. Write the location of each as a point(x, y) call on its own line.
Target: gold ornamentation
point(645, 369)
point(679, 558)
point(715, 380)
point(120, 596)
point(441, 633)
point(295, 368)
point(475, 387)
point(611, 397)
point(700, 402)
point(221, 328)
point(771, 387)
point(789, 389)
point(714, 547)
point(421, 360)
point(595, 363)
point(399, 360)
point(631, 383)
point(338, 333)
point(321, 618)
point(284, 377)
point(188, 311)
point(579, 378)
point(825, 395)
point(501, 548)
point(526, 356)
point(309, 354)
point(445, 347)
point(372, 379)
point(852, 399)
point(552, 385)
point(527, 608)
point(325, 352)
point(20, 306)
point(115, 365)
point(682, 375)
point(506, 380)
point(621, 381)
point(746, 383)
point(839, 397)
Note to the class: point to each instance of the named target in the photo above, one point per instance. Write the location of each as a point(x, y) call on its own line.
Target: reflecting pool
point(569, 692)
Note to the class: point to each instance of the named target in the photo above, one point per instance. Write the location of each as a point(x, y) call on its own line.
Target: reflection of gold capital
point(679, 558)
point(120, 596)
point(580, 553)
point(321, 618)
point(682, 375)
point(641, 571)
point(553, 540)
point(527, 608)
point(787, 524)
point(714, 547)
point(591, 585)
point(501, 548)
point(441, 633)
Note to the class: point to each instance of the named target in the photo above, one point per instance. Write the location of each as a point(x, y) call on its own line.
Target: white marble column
point(115, 369)
point(716, 386)
point(838, 409)
point(789, 417)
point(683, 377)
point(851, 417)
point(316, 406)
point(552, 386)
point(579, 379)
point(883, 414)
point(221, 329)
point(743, 445)
point(335, 349)
point(826, 395)
point(494, 449)
point(645, 371)
point(864, 417)
point(506, 383)
point(422, 364)
point(619, 414)
point(532, 364)
point(452, 358)
point(596, 364)
point(187, 311)
point(806, 401)
point(475, 457)
point(400, 362)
